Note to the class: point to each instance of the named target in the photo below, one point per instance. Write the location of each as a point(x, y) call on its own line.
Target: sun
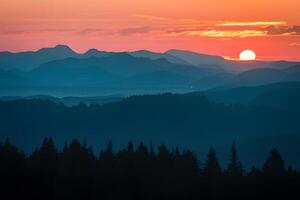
point(247, 55)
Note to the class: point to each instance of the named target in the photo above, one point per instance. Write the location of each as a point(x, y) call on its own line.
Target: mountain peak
point(62, 46)
point(60, 49)
point(92, 51)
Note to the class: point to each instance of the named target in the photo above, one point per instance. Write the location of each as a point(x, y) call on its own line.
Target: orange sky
point(224, 27)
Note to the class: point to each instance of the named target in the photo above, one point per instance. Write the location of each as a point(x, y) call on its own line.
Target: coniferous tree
point(10, 156)
point(142, 152)
point(103, 187)
point(235, 167)
point(254, 172)
point(12, 166)
point(190, 162)
point(44, 164)
point(76, 173)
point(135, 174)
point(274, 164)
point(212, 167)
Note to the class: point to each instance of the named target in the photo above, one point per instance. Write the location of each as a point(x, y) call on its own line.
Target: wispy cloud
point(135, 30)
point(217, 33)
point(251, 23)
point(283, 30)
point(13, 32)
point(20, 32)
point(235, 29)
point(149, 17)
point(149, 25)
point(90, 31)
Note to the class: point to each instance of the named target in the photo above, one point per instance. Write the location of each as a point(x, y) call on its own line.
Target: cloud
point(90, 31)
point(21, 32)
point(251, 23)
point(235, 29)
point(221, 33)
point(136, 30)
point(149, 17)
point(13, 32)
point(160, 26)
point(283, 30)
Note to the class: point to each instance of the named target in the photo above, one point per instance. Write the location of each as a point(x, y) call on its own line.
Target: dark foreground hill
point(171, 119)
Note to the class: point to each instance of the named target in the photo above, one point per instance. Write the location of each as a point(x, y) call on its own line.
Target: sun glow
point(247, 55)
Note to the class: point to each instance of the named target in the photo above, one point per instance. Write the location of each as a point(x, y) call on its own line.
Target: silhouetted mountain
point(197, 59)
point(276, 95)
point(31, 60)
point(220, 79)
point(203, 60)
point(95, 53)
point(60, 68)
point(155, 56)
point(72, 72)
point(112, 70)
point(259, 77)
point(241, 66)
point(262, 76)
point(68, 101)
point(161, 79)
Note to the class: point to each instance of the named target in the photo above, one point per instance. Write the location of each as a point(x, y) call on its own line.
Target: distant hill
point(171, 119)
point(241, 66)
point(95, 53)
point(261, 76)
point(60, 69)
point(155, 56)
point(197, 59)
point(68, 101)
point(110, 70)
point(31, 60)
point(279, 95)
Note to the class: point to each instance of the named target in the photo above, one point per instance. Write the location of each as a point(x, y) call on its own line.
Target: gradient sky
point(222, 27)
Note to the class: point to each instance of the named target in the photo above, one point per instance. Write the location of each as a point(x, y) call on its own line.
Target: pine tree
point(274, 164)
point(212, 167)
point(235, 166)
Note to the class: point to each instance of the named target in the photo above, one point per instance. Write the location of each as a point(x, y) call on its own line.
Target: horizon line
point(225, 57)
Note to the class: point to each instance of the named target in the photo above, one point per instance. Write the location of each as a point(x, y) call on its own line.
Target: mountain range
point(173, 70)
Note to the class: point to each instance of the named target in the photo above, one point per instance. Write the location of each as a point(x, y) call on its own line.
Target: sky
point(271, 28)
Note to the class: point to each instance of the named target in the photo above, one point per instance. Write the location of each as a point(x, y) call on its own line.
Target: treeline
point(151, 117)
point(137, 172)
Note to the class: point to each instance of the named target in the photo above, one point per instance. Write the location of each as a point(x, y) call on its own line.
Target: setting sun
point(247, 55)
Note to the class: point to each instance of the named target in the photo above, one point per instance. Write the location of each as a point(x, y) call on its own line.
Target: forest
point(138, 172)
point(191, 121)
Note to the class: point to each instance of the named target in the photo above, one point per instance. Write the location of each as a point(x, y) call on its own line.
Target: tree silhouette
point(235, 167)
point(274, 164)
point(44, 164)
point(12, 167)
point(212, 167)
point(137, 174)
point(10, 157)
